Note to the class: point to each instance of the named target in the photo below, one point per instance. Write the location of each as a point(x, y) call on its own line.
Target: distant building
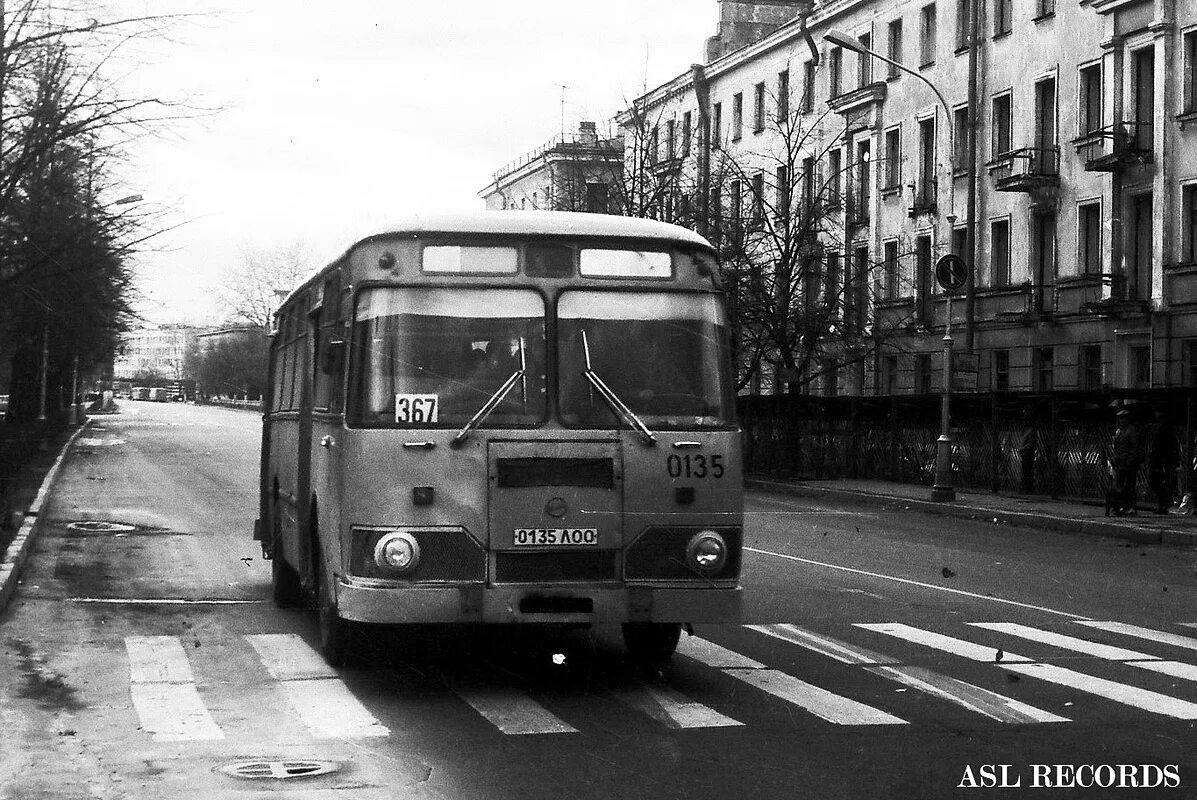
point(157, 352)
point(570, 172)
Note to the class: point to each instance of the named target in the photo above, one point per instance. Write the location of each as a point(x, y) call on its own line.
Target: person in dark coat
point(1163, 457)
point(1126, 459)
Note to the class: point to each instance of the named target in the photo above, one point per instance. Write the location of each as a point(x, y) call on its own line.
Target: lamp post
point(942, 489)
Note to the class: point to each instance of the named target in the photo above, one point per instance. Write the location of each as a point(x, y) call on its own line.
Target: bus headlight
point(398, 551)
point(706, 552)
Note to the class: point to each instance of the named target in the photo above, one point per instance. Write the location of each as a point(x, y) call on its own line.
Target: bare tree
point(253, 288)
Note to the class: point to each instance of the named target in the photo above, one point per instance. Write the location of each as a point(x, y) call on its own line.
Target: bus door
point(555, 513)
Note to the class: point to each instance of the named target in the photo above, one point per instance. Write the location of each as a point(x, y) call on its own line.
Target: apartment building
point(1072, 194)
point(571, 172)
point(156, 352)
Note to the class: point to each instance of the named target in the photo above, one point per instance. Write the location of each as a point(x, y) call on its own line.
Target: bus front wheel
point(336, 633)
point(651, 642)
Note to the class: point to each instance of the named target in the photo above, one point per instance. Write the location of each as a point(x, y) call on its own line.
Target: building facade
point(1051, 144)
point(155, 352)
point(571, 172)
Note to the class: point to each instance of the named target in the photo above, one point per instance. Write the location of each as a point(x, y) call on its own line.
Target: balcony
point(1116, 147)
point(1028, 169)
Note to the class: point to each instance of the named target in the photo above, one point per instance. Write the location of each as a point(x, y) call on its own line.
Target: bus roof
point(527, 223)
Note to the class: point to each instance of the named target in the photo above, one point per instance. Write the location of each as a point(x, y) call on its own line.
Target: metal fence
point(1065, 437)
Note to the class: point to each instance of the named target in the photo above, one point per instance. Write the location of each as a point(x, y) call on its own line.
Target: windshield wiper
point(497, 398)
point(612, 399)
point(487, 407)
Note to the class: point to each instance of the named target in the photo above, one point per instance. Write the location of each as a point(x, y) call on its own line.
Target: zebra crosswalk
point(805, 670)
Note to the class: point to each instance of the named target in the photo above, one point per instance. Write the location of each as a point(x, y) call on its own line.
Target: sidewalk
point(1032, 511)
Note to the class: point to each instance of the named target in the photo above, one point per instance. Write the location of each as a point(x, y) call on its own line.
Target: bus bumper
point(478, 603)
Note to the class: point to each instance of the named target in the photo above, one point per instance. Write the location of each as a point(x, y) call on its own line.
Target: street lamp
point(942, 489)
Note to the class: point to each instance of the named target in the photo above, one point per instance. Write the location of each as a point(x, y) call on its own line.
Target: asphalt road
point(885, 655)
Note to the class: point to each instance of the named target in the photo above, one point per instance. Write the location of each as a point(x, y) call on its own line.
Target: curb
point(1022, 519)
point(19, 548)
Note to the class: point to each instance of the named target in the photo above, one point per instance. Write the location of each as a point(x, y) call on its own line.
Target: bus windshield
point(429, 357)
point(661, 354)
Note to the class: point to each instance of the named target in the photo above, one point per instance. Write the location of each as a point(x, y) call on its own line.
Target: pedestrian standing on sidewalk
point(1126, 458)
point(1163, 458)
point(1027, 445)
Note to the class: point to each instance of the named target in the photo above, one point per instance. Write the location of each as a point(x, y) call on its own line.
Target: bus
point(506, 418)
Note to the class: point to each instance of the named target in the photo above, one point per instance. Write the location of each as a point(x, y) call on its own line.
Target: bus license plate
point(555, 537)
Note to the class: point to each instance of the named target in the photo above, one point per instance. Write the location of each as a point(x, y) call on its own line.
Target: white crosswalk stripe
point(164, 693)
point(672, 709)
point(1126, 694)
point(512, 711)
point(820, 702)
point(323, 702)
point(1162, 637)
point(974, 698)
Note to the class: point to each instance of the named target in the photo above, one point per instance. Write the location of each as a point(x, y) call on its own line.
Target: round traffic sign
point(951, 272)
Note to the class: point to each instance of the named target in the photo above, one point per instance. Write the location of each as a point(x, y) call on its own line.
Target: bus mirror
point(333, 358)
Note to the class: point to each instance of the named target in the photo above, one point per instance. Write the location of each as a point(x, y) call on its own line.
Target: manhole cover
point(100, 526)
point(278, 770)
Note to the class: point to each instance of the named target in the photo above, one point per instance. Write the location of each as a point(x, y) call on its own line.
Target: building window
point(960, 242)
point(687, 128)
point(864, 62)
point(893, 158)
point(923, 278)
point(758, 197)
point(808, 87)
point(1001, 125)
point(1190, 73)
point(1190, 362)
point(670, 138)
point(923, 373)
point(999, 252)
point(962, 24)
point(1089, 367)
point(782, 188)
point(716, 124)
point(856, 295)
point(1139, 366)
point(835, 71)
point(927, 36)
point(735, 205)
point(758, 108)
point(832, 283)
point(888, 384)
point(1044, 374)
point(1001, 370)
point(1089, 105)
point(1003, 10)
point(1088, 237)
point(808, 184)
point(895, 47)
point(737, 125)
point(926, 187)
point(960, 138)
point(862, 181)
point(654, 145)
point(833, 177)
point(1188, 222)
point(889, 274)
point(596, 198)
point(1044, 8)
point(783, 95)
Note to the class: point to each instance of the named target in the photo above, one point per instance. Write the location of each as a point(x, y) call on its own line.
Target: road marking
point(672, 709)
point(329, 709)
point(287, 657)
point(161, 601)
point(920, 584)
point(1163, 637)
point(321, 699)
point(164, 693)
point(1175, 669)
point(1111, 690)
point(974, 698)
point(957, 647)
point(512, 711)
point(820, 702)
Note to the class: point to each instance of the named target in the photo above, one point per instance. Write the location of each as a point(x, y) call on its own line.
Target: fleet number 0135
point(694, 466)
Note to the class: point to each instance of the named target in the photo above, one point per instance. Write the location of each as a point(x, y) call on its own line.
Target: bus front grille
point(590, 565)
